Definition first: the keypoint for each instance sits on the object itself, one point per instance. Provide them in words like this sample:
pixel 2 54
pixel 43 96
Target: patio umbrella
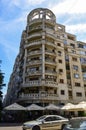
pixel 14 106
pixel 52 107
pixel 81 106
pixel 78 107
pixel 34 107
pixel 68 107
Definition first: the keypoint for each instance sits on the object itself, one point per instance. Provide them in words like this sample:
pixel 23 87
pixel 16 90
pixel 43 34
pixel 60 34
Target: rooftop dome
pixel 41 13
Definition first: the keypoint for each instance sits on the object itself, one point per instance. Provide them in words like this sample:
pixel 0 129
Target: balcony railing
pixel 49 61
pixel 35 27
pixel 38 96
pixel 34 72
pixel 34 35
pixel 51 72
pixel 50 53
pixel 35 21
pixel 51 43
pixel 40 83
pixel 34 52
pixel 32 43
pixel 34 62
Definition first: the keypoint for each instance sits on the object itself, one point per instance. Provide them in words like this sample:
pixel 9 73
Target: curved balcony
pixel 33 73
pixel 49 30
pixel 39 83
pixel 34 42
pixel 49 52
pixel 34 53
pixel 34 35
pixel 34 62
pixel 51 35
pixel 50 72
pixel 51 84
pixel 49 22
pixel 35 21
pixel 50 43
pixel 37 96
pixel 38 27
pixel 51 62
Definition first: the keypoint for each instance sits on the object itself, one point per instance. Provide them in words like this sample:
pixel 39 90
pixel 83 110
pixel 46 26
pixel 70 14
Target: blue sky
pixel 13 19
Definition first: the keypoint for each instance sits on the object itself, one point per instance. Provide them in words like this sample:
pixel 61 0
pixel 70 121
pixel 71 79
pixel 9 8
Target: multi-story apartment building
pixel 50 66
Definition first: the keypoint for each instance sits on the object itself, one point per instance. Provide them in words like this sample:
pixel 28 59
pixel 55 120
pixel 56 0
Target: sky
pixel 13 20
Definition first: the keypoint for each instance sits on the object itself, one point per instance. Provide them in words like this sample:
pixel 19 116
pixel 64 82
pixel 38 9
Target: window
pixel 69 82
pixel 66 49
pixel 84 46
pixel 77 84
pixel 81 46
pixel 58 44
pixel 76 75
pixel 34 69
pixel 83 60
pixel 78 94
pixel 31 79
pixel 72 45
pixel 70 37
pixel 60 70
pixel 35 58
pixel 68 76
pixel 83 69
pixel 84 85
pixel 73 51
pixel 62 92
pixel 82 52
pixel 61 81
pixel 70 93
pixel 56 118
pixel 60 61
pixel 67 58
pixel 59 53
pixel 49 119
pixel 84 76
pixel 75 67
pixel 67 67
pixel 74 59
pixel 65 41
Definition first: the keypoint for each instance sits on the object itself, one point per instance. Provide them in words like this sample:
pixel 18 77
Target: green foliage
pixel 81 113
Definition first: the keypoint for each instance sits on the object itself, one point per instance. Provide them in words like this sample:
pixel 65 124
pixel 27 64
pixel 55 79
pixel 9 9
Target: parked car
pixel 76 125
pixel 46 122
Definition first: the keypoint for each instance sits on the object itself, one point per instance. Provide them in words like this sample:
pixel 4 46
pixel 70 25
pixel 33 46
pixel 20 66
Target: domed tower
pixel 40 75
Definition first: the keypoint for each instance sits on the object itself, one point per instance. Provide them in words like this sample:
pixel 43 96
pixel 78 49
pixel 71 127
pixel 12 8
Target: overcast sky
pixel 13 19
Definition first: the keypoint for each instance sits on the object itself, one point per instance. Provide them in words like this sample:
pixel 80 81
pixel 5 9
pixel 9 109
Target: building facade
pixel 50 66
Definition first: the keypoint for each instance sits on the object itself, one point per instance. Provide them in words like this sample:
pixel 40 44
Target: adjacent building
pixel 50 66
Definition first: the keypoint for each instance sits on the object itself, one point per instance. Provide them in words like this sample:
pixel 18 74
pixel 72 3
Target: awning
pixel 14 106
pixel 34 107
pixel 52 107
pixel 68 107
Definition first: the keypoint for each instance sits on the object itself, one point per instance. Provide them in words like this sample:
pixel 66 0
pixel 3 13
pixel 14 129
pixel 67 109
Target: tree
pixel 1 86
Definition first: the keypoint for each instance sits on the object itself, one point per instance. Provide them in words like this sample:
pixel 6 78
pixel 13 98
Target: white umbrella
pixel 78 107
pixel 81 106
pixel 68 107
pixel 52 107
pixel 14 106
pixel 34 107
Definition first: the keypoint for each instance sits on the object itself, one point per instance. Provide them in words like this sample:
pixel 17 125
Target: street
pixel 10 127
